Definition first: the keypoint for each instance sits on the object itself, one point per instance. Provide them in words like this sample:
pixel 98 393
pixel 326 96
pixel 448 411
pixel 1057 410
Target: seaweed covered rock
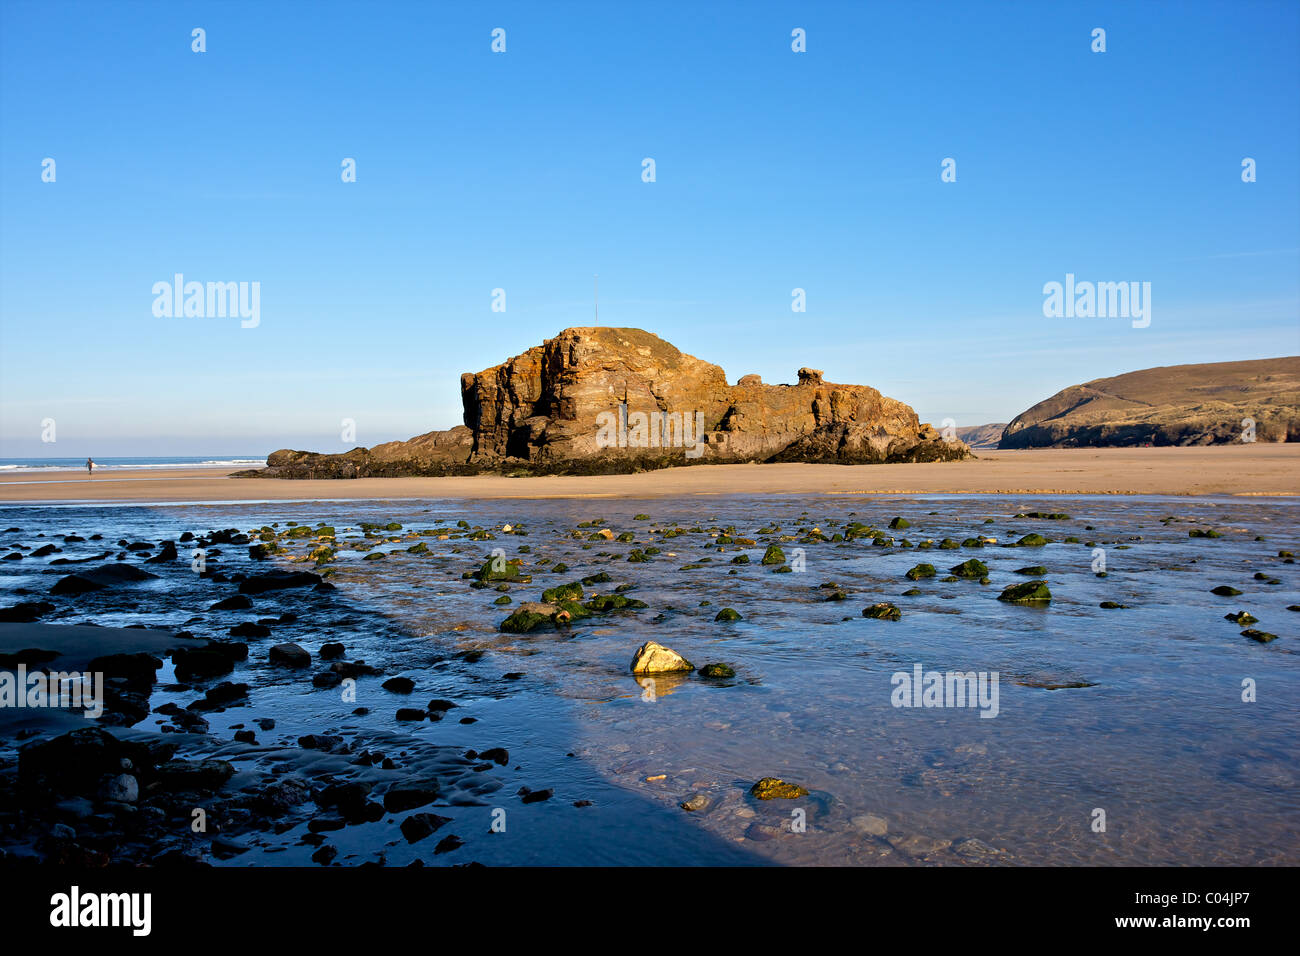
pixel 883 611
pixel 972 568
pixel 1030 592
pixel 774 788
pixel 532 616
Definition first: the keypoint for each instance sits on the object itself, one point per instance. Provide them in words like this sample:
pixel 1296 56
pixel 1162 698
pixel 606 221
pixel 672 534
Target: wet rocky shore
pixel 529 682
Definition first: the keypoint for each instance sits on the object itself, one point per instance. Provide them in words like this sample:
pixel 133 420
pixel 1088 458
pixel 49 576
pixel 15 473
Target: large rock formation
pixel 605 400
pixel 1174 405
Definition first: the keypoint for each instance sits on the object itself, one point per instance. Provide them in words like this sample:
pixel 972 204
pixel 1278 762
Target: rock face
pixel 606 400
pixel 1176 405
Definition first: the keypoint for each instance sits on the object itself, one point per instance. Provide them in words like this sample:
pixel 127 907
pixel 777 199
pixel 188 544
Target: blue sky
pixel 479 170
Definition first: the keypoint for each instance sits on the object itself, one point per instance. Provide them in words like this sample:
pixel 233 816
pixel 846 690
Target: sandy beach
pixel 1257 469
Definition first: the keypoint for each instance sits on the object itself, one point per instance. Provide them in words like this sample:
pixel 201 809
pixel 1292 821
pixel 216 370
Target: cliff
pixel 606 400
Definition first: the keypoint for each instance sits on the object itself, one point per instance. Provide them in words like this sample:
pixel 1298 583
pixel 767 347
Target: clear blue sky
pixel 522 170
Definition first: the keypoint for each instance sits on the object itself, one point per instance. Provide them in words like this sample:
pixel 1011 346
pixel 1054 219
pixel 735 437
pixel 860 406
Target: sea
pixel 121 464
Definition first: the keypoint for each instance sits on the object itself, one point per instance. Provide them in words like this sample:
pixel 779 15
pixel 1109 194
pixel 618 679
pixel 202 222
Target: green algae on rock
pixel 717 671
pixel 971 568
pixel 920 571
pixel 774 788
pixel 883 611
pixel 563 592
pixel 1030 592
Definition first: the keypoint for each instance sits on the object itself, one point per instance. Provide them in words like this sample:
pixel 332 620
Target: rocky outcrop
pixel 1174 405
pixel 607 400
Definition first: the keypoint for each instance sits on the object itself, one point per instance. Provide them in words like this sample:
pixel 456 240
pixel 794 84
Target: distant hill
pixel 981 436
pixel 1172 405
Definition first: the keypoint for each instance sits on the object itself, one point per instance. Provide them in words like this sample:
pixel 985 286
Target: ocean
pixel 143 462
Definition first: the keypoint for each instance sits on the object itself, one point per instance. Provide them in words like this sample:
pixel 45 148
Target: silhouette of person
pixel 90 467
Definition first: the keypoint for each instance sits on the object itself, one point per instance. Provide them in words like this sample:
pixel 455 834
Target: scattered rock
pixel 420 825
pixel 883 611
pixel 289 655
pixel 654 658
pixel 717 671
pixel 871 824
pixel 399 685
pixel 1031 592
pixel 774 788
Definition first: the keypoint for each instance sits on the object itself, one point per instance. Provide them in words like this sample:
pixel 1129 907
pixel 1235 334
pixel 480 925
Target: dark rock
pixel 199 775
pixel 402 797
pixel 289 655
pixel 277 581
pixel 420 825
pixel 249 629
pixel 448 843
pixel 108 576
pixel 25 612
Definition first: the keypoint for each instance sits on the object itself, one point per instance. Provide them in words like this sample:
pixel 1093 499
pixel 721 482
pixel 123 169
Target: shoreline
pixel 1262 470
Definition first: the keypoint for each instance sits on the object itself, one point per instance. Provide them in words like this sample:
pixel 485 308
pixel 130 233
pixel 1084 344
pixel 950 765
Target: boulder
pixel 290 655
pixel 653 658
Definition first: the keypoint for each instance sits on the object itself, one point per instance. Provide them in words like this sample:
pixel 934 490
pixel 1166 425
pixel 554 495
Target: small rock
pixel 290 655
pixel 774 788
pixel 871 824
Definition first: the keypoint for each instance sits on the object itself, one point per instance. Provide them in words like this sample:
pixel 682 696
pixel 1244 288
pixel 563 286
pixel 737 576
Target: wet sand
pixel 1257 469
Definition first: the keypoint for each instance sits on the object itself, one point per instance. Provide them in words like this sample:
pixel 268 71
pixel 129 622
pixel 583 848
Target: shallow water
pixel 1185 771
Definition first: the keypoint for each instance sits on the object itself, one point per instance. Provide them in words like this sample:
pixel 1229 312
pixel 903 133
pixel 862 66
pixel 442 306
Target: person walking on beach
pixel 90 467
